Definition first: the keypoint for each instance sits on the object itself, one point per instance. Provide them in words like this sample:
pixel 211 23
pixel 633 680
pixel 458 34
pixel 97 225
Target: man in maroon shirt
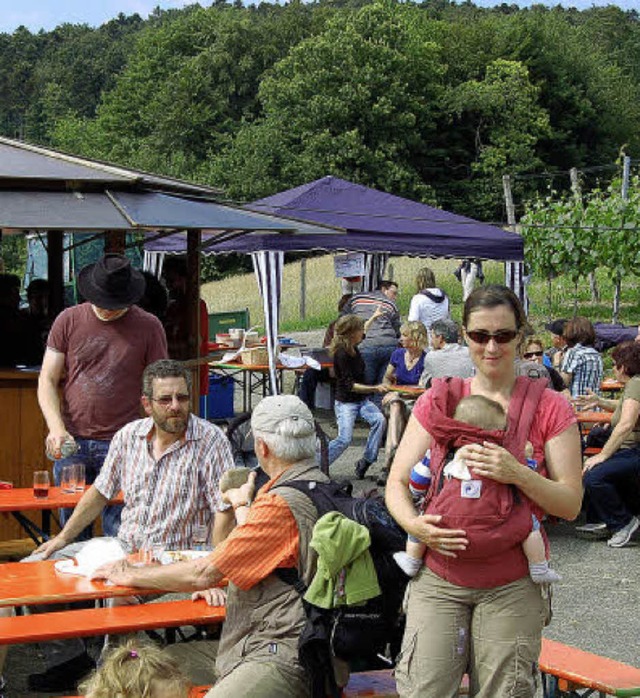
pixel 90 380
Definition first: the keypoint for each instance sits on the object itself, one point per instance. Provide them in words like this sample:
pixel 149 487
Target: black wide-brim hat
pixel 111 283
pixel 556 327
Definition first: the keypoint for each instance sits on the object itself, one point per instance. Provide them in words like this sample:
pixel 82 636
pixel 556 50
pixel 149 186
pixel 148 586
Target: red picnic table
pixel 17 500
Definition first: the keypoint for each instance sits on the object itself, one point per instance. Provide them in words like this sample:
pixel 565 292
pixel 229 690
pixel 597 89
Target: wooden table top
pixel 588 417
pixel 22 499
pixel 611 384
pixel 409 389
pixel 26 583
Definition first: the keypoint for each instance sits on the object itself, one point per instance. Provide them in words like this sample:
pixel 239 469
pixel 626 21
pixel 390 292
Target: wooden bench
pixel 568 671
pixel 60 625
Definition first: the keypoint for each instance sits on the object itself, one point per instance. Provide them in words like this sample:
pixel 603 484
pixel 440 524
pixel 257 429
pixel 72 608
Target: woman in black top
pixel 351 391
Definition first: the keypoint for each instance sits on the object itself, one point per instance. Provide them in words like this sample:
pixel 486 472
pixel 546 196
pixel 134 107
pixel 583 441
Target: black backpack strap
pixel 290 576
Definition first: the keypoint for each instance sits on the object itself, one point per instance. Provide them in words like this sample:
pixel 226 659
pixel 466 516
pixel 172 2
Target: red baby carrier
pixel 495 516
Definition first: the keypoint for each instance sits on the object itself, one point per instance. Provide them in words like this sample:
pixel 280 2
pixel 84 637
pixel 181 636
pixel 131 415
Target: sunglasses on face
pixel 482 337
pixel 532 354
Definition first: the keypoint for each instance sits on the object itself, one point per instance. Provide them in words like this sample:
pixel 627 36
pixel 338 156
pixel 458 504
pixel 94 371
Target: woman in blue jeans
pixel 351 391
pixel 612 477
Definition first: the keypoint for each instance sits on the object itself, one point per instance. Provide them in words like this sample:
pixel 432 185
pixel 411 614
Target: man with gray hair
pixel 447 356
pixel 258 653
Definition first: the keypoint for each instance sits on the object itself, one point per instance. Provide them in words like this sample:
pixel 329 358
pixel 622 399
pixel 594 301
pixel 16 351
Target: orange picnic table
pixel 407 389
pixel 17 500
pixel 590 417
pixel 30 583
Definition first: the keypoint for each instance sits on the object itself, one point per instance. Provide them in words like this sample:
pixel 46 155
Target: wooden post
pixel 577 194
pixel 390 271
pixel 194 239
pixel 54 272
pixel 114 241
pixel 617 291
pixel 303 289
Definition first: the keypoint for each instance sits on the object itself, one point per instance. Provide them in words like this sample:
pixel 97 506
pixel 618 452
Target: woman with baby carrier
pixel 473 606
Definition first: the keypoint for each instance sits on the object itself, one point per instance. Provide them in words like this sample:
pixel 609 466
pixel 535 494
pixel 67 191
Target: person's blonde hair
pixel 425 279
pixel 136 670
pixel 344 328
pixel 416 331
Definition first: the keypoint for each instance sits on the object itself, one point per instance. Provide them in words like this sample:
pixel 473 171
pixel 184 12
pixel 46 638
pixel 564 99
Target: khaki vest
pixel 264 623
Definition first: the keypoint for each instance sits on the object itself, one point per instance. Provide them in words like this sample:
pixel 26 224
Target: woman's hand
pixel 494 462
pixel 592 462
pixel 441 540
pixel 586 402
pixel 381 388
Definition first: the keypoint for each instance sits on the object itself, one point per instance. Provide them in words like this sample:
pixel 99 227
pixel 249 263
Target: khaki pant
pixel 261 680
pixel 493 634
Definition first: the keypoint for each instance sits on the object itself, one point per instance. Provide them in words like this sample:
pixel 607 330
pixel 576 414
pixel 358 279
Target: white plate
pixel 168 557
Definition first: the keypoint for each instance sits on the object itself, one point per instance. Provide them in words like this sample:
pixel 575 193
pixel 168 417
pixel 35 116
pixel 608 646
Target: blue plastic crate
pixel 218 404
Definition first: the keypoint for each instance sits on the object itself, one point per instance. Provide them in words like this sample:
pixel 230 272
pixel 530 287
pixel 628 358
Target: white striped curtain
pixel 517 281
pixel 268 269
pixel 375 264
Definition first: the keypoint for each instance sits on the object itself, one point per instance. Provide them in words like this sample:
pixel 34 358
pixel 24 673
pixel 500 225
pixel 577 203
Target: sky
pixel 47 14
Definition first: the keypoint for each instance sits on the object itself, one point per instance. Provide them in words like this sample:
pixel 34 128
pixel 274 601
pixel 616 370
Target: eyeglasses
pixel 167 400
pixel 482 337
pixel 532 354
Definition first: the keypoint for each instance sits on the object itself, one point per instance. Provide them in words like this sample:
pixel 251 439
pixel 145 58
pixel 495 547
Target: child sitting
pixel 486 414
pixel 137 670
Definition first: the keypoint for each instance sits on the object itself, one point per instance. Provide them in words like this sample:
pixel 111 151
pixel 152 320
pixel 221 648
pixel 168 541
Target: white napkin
pixel 290 361
pixel 95 553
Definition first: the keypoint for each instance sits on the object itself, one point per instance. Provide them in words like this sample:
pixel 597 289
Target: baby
pixel 485 414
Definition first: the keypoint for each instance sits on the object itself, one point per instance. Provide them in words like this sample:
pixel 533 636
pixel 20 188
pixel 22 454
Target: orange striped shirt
pixel 267 540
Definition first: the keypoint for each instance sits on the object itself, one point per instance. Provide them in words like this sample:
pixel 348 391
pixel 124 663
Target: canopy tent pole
pixel 516 280
pixel 268 269
pixel 54 272
pixel 194 238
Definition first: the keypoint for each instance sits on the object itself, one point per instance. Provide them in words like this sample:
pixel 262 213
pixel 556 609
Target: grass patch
pixel 323 293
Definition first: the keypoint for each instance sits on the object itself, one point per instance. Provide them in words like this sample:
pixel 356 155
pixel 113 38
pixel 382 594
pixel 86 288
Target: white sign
pixel 347 265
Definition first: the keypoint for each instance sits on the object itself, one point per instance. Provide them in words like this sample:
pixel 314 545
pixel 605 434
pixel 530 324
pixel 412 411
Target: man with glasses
pixel 447 356
pixel 168 467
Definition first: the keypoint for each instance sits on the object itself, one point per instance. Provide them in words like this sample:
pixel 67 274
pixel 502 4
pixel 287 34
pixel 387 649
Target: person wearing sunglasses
pixel 531 364
pixel 469 611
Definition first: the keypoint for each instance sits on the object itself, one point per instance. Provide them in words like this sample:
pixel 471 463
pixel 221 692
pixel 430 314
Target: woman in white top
pixel 430 302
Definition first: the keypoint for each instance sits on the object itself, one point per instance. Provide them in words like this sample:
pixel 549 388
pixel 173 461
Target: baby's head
pixel 479 411
pixel 137 670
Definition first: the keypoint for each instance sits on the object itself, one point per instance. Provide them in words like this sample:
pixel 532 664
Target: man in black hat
pixel 89 385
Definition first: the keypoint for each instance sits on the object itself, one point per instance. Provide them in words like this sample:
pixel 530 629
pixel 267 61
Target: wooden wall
pixel 22 434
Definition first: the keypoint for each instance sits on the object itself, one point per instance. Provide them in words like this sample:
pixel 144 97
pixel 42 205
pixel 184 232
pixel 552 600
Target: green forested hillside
pixel 431 100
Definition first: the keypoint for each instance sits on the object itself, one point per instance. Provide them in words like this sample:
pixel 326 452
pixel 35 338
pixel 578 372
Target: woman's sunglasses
pixel 532 354
pixel 482 337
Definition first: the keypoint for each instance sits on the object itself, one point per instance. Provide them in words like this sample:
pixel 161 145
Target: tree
pixel 355 101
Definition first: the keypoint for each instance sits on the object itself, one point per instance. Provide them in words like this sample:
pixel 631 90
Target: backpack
pixel 359 635
pixel 496 517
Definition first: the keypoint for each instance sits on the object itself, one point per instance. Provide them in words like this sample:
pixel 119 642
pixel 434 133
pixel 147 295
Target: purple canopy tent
pixel 365 220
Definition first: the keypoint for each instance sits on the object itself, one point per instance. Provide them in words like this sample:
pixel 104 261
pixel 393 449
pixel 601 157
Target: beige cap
pixel 271 411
